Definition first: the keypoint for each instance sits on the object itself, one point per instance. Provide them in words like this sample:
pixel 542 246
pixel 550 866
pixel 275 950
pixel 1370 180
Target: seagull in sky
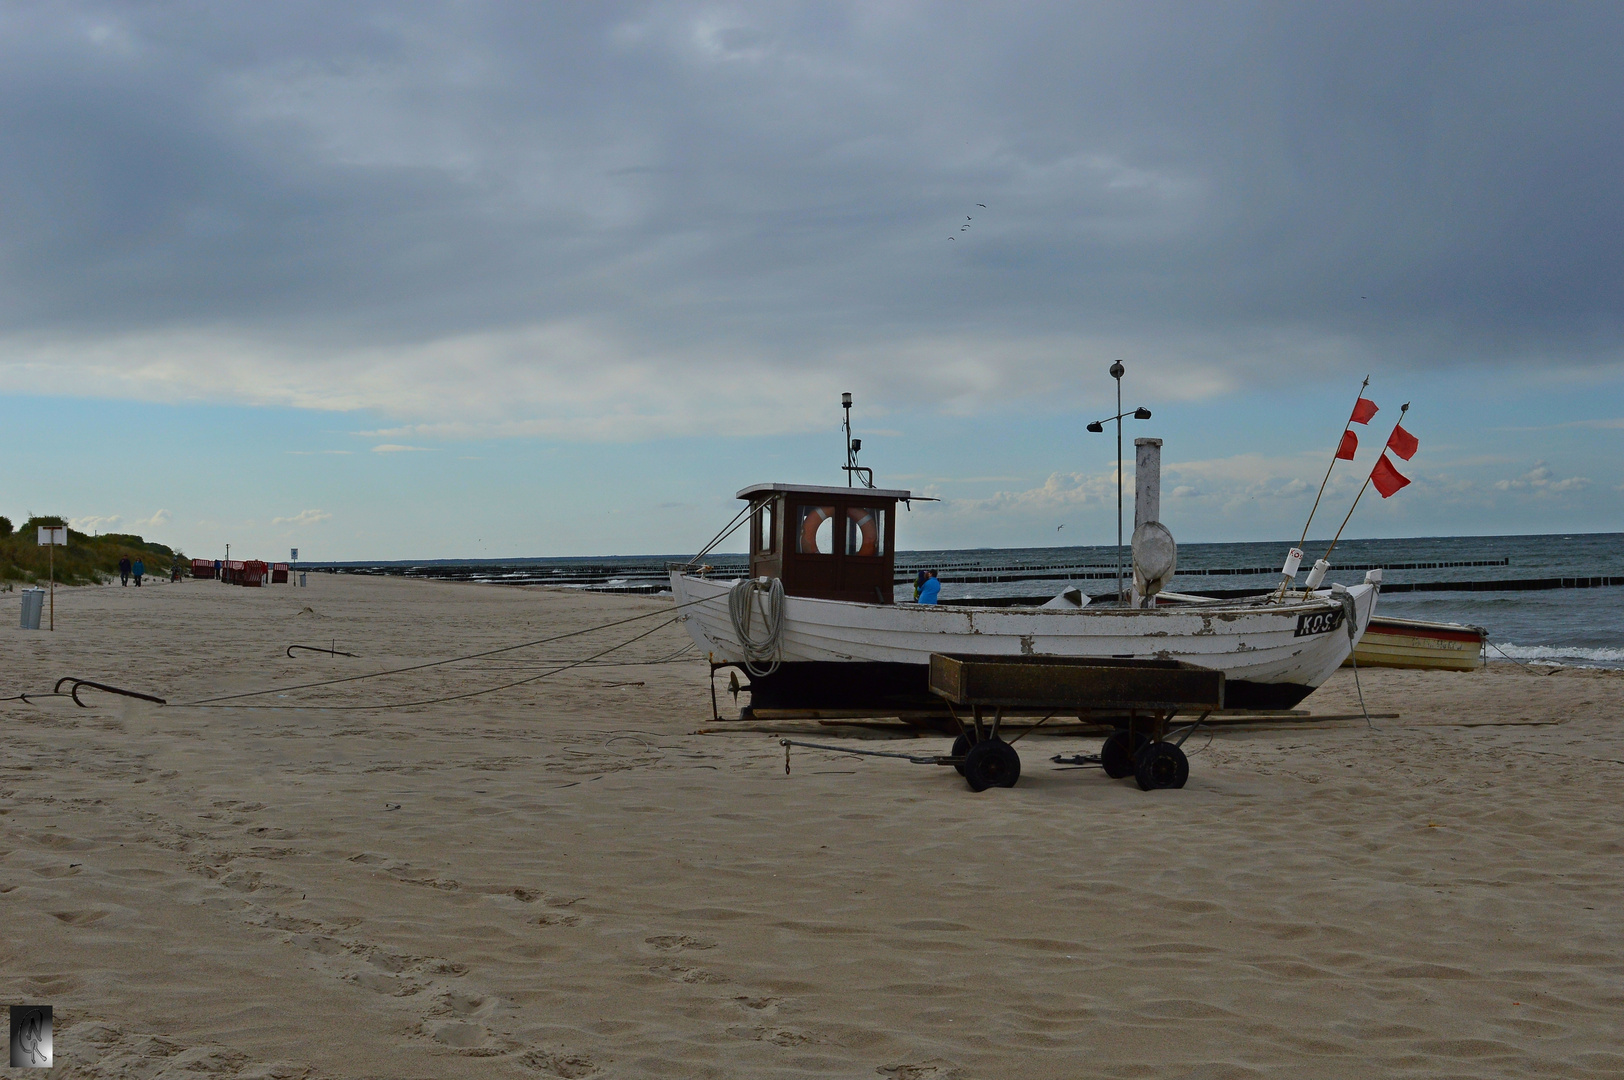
pixel 1062 525
pixel 982 205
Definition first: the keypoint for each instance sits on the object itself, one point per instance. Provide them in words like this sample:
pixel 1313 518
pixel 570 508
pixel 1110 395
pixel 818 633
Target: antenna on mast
pixel 852 447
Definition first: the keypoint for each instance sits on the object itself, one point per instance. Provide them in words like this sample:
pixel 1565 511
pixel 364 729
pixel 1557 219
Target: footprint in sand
pixel 123 1053
pixel 392 985
pixel 62 843
pixel 465 1005
pixel 58 871
pixel 935 1069
pixel 550 919
pixel 670 942
pixel 560 1063
pixel 86 917
pixel 679 973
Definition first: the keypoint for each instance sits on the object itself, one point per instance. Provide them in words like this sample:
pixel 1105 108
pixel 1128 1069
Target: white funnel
pixel 1155 555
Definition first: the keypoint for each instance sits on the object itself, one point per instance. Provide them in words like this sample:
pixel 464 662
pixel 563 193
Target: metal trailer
pixel 1139 698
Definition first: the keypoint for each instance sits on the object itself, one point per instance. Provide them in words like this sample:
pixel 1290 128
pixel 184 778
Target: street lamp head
pixel 1117 370
pixel 845 400
pixel 1141 413
pixel 1096 427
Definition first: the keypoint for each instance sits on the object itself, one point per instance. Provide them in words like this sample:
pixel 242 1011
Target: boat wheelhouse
pixel 829 543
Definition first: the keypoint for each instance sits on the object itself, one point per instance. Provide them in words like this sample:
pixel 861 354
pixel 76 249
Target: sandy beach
pixel 564 878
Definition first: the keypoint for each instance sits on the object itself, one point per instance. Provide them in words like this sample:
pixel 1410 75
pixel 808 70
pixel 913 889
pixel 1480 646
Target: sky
pixel 398 281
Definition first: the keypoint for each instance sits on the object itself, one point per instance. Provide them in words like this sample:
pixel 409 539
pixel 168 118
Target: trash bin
pixel 33 606
pixel 303 581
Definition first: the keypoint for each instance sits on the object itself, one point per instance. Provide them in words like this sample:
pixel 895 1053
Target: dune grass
pixel 85 561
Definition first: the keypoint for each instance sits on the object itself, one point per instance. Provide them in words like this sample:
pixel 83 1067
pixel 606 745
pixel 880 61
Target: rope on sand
pixel 225 704
pixel 456 659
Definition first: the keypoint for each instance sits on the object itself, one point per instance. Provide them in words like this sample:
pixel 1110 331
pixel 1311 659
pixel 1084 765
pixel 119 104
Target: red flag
pixel 1349 447
pixel 1386 478
pixel 1402 443
pixel 1363 410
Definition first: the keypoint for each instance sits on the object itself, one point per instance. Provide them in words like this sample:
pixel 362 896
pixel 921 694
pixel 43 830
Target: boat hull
pixel 839 654
pixel 1411 643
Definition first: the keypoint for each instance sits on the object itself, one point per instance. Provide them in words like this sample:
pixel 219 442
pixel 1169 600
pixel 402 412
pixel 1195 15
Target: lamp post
pixel 1141 413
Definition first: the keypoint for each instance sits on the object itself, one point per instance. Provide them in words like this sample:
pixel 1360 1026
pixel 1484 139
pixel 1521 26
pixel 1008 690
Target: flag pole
pixel 1327 556
pixel 1335 457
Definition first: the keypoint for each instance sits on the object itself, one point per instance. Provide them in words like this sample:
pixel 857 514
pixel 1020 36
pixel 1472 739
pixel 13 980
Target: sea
pixel 1478 580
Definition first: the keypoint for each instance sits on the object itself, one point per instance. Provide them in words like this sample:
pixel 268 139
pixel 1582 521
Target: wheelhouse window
pixel 815 530
pixel 865 531
pixel 764 523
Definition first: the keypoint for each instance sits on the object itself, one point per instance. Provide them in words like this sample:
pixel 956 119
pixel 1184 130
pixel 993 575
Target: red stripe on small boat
pixel 1415 632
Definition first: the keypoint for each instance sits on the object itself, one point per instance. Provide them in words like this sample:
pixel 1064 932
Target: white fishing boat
pixel 817 629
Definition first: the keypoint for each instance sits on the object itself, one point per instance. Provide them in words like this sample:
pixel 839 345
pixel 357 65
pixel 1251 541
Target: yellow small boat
pixel 1412 643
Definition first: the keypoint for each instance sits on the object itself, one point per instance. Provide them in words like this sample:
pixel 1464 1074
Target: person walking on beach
pixel 138 569
pixel 124 571
pixel 930 590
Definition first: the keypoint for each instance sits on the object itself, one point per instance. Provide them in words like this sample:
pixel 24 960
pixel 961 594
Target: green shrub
pixel 86 560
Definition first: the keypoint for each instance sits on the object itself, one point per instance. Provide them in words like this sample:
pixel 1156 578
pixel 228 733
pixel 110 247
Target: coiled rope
pixel 768 647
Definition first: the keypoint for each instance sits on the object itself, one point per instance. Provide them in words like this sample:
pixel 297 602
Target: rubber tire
pixel 961 747
pixel 992 763
pixel 1115 757
pixel 1160 765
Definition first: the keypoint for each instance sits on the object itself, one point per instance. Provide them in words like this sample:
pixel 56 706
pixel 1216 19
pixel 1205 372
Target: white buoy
pixel 1316 575
pixel 1294 559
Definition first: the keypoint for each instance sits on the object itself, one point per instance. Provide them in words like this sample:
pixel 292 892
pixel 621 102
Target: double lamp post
pixel 1141 413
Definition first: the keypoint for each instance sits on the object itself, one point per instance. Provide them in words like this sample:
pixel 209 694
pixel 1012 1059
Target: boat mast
pixel 852 447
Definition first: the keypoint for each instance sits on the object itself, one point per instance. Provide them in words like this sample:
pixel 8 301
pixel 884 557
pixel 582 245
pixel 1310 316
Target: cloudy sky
pixel 396 280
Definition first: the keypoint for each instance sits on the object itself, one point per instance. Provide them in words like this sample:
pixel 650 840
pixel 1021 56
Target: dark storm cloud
pixel 1432 183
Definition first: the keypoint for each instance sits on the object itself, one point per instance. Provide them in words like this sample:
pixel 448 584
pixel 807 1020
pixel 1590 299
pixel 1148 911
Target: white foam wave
pixel 1561 654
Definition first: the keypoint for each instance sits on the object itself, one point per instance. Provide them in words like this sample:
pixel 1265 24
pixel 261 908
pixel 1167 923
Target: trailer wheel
pixel 1116 757
pixel 961 747
pixel 992 763
pixel 1161 765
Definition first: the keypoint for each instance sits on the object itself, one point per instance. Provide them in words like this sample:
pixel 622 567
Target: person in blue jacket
pixel 930 590
pixel 138 571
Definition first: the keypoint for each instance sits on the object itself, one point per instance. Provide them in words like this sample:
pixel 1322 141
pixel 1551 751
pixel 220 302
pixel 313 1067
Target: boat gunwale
pixel 1262 605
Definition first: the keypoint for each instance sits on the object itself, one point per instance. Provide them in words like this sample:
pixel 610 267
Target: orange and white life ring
pixel 865 522
pixel 815 516
pixel 864 519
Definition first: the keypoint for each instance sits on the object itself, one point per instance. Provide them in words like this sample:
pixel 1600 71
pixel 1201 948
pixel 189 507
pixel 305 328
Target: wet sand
pixel 562 879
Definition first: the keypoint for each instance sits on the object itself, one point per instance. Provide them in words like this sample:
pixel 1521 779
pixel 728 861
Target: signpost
pixel 295 554
pixel 51 537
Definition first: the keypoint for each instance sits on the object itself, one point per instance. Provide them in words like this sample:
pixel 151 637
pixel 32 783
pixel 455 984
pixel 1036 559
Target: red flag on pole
pixel 1363 410
pixel 1386 478
pixel 1403 443
pixel 1349 447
